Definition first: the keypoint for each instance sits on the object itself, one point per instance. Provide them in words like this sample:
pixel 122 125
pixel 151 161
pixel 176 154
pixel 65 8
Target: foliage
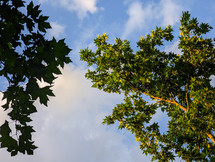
pixel 26 58
pixel 178 84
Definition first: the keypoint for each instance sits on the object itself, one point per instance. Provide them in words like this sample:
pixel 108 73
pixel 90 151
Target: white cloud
pixel 173 48
pixel 56 31
pixel 81 7
pixel 170 12
pixel 212 82
pixel 137 17
pixel 70 128
pixel 3 114
pixel 166 12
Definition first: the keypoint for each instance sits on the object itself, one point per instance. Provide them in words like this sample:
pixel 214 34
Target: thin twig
pixel 187 97
pixel 173 101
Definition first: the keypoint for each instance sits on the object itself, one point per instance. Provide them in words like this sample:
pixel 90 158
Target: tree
pixel 26 58
pixel 178 84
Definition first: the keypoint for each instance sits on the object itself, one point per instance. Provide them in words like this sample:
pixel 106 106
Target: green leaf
pixel 5 129
pixel 179 85
pixel 27 57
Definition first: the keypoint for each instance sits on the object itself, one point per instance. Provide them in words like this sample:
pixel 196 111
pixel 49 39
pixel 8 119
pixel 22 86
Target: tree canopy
pixel 177 83
pixel 26 58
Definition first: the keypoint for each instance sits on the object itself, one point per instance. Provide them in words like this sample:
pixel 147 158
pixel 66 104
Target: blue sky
pixel 70 128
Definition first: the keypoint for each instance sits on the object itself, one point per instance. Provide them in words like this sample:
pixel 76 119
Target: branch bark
pixel 169 101
pixel 211 137
pixel 209 134
pixel 173 101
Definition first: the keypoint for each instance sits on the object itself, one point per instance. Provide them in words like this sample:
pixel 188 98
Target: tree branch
pixel 173 101
pixel 211 137
pixel 169 101
pixel 187 97
pixel 183 108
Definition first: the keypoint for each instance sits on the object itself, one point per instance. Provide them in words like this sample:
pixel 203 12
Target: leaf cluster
pixel 178 84
pixel 26 58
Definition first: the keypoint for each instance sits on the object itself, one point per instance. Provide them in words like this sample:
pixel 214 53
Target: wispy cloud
pixel 56 31
pixel 166 12
pixel 137 17
pixel 170 12
pixel 3 114
pixel 212 82
pixel 71 130
pixel 173 48
pixel 81 7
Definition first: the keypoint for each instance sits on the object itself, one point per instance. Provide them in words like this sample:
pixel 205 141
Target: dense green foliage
pixel 26 58
pixel 178 84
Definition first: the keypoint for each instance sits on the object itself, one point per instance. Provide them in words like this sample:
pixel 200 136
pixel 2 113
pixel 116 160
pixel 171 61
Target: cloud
pixel 170 12
pixel 70 128
pixel 137 17
pixel 212 82
pixel 3 114
pixel 81 7
pixel 140 16
pixel 56 31
pixel 83 39
pixel 173 48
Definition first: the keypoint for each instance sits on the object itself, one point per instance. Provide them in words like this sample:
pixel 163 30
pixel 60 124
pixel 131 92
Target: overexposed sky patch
pixel 81 7
pixel 3 114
